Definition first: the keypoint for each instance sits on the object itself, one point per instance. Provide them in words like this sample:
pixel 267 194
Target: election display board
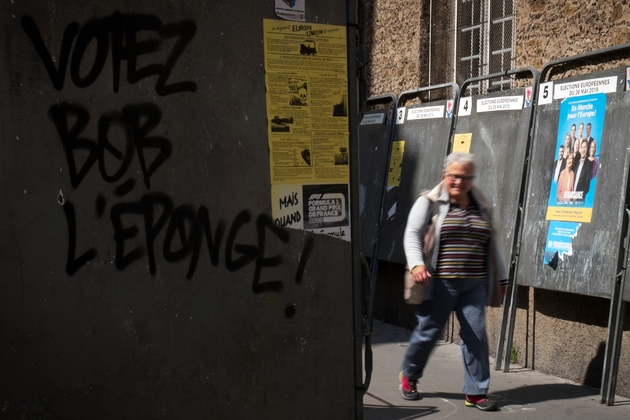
pixel 574 216
pixel 421 139
pixel 495 128
pixel 375 136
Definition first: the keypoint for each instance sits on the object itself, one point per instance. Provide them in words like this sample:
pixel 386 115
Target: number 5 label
pixel 545 93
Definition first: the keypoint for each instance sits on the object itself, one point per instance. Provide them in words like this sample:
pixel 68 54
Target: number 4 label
pixel 545 93
pixel 465 105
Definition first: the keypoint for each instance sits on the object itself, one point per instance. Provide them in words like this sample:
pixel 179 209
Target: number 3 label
pixel 400 115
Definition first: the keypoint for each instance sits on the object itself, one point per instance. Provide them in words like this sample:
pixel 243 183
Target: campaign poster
pixel 395 163
pixel 559 241
pixel 461 142
pixel 576 158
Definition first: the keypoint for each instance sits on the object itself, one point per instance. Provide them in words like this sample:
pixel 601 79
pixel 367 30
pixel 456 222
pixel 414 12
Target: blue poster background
pixel 588 109
pixel 559 240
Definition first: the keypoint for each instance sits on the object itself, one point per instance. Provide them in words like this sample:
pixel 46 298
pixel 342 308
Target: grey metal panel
pixel 596 248
pixel 105 330
pixel 426 144
pixel 499 142
pixel 374 143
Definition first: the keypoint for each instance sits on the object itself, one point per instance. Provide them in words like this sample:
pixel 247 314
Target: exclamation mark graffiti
pixel 289 311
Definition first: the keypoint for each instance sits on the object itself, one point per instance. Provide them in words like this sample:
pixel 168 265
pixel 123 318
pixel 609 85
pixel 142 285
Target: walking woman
pixel 464 273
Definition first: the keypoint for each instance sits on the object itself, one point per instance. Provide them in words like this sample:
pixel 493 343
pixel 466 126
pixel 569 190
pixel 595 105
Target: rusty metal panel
pixel 142 274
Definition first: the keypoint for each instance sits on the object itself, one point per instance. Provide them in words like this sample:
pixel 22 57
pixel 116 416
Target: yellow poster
pixel 461 142
pixel 307 102
pixel 395 163
pixel 570 214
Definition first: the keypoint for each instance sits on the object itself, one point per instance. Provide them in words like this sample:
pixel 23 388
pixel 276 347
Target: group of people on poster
pixel 576 165
pixel 574 172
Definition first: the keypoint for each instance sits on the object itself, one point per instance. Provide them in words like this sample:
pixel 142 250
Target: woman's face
pixel 458 179
pixel 569 162
pixel 592 149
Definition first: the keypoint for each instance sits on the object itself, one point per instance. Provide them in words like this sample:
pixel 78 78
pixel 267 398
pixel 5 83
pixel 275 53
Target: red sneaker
pixel 481 402
pixel 408 388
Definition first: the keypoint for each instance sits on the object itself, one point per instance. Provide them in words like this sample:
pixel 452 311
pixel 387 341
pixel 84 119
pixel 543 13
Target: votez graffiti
pixel 182 229
pixel 122 30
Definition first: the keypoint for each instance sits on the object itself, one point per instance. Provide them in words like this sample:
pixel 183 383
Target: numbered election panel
pixel 421 140
pixel 495 128
pixel 375 139
pixel 578 186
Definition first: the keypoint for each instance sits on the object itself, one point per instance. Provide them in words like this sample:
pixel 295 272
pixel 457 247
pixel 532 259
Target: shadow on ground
pixel 375 412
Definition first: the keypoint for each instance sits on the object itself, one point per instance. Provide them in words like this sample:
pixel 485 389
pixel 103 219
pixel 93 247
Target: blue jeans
pixel 467 297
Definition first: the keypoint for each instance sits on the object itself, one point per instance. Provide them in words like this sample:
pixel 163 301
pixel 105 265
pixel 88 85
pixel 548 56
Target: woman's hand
pixel 421 274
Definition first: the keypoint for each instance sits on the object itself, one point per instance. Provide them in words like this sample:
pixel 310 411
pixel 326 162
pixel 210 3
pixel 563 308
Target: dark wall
pixel 142 276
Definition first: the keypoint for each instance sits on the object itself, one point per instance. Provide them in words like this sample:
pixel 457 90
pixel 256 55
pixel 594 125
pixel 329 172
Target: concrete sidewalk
pixel 522 393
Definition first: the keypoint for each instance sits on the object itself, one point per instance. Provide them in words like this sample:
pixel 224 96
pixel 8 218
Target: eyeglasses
pixel 455 177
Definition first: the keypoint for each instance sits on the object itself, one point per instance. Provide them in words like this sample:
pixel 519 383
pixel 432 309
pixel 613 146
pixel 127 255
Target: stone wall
pixel 550 30
pixel 394 34
pixel 398 36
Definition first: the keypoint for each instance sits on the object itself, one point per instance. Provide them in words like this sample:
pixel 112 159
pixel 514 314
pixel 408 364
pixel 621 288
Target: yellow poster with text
pixel 306 84
pixel 395 163
pixel 461 142
pixel 569 214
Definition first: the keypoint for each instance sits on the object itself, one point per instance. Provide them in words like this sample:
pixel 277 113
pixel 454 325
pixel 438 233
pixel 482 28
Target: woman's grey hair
pixel 460 158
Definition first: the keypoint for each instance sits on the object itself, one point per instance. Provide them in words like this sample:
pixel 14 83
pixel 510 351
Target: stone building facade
pixel 412 44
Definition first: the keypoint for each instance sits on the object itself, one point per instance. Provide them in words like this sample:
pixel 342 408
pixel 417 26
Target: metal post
pixel 615 328
pixel 354 108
